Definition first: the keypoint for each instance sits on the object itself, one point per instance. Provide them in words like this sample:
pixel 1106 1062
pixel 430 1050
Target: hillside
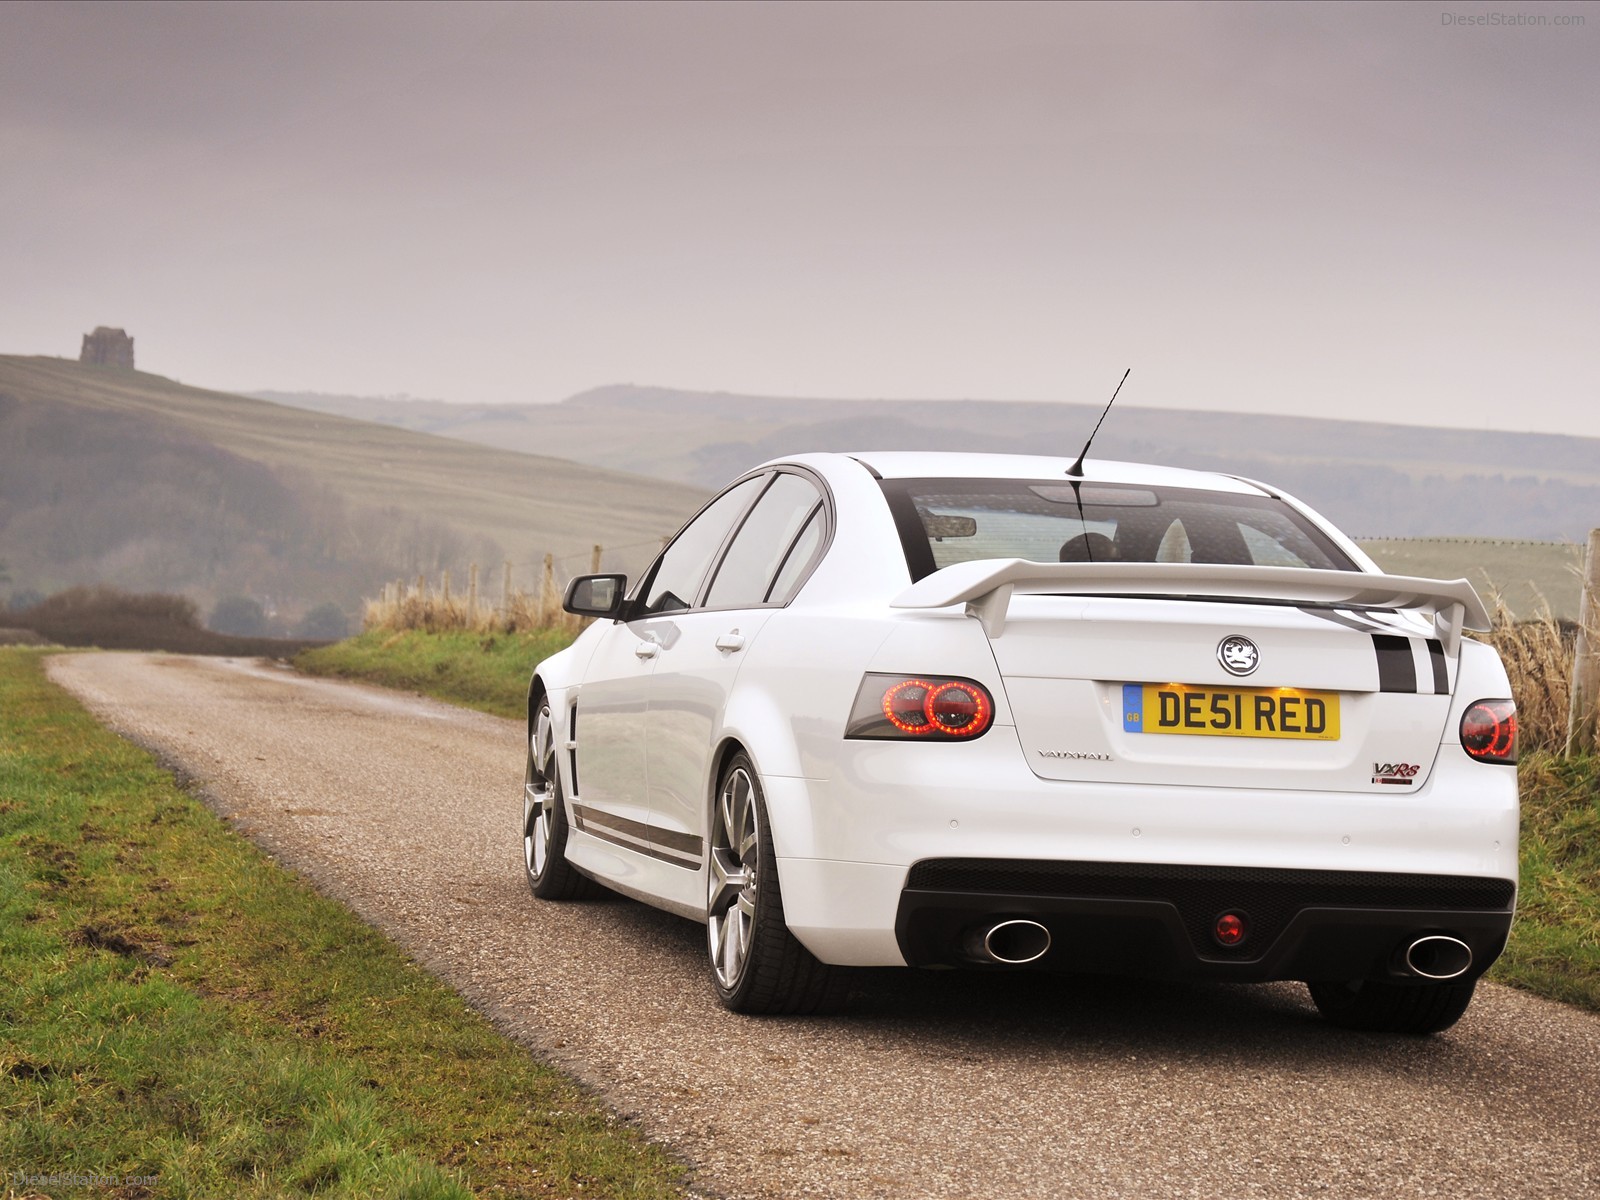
pixel 122 477
pixel 1375 480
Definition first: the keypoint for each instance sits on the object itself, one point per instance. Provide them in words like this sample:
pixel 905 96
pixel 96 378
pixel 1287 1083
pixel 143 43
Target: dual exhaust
pixel 1017 942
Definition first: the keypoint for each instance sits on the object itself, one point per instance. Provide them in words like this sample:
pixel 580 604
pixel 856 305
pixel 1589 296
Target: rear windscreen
pixel 945 521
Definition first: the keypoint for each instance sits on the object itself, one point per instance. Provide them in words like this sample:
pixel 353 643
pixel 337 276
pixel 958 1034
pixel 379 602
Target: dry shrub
pixel 419 607
pixel 1538 655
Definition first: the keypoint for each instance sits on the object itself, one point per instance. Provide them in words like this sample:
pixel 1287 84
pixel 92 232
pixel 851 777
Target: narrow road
pixel 934 1084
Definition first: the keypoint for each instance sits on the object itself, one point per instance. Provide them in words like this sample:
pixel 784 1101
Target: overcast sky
pixel 1369 211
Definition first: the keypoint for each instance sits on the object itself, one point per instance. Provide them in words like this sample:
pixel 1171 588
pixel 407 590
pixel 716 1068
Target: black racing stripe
pixel 1441 674
pixel 1397 670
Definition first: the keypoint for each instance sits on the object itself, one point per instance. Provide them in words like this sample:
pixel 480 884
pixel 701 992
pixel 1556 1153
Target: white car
pixel 973 710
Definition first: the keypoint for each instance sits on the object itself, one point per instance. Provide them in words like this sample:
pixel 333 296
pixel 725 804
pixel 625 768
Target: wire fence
pixel 490 602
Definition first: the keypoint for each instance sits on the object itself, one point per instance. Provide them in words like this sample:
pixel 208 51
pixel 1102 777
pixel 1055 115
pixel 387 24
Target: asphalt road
pixel 934 1084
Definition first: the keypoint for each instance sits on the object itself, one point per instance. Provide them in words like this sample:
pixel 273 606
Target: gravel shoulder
pixel 935 1084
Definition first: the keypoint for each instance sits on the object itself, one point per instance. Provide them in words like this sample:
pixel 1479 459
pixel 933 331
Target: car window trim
pixel 794 542
pixel 703 592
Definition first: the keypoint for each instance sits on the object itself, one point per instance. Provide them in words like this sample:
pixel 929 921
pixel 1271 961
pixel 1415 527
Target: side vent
pixel 572 747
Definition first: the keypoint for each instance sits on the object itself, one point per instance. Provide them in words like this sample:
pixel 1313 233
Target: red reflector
pixel 1489 731
pixel 1230 929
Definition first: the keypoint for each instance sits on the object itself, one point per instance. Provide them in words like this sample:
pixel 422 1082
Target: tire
pixel 1374 1006
pixel 544 821
pixel 757 965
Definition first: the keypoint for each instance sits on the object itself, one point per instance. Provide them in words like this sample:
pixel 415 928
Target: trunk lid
pixel 1141 676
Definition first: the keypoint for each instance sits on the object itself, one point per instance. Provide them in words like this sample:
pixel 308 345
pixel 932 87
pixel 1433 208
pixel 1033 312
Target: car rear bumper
pixel 1142 919
pixel 848 848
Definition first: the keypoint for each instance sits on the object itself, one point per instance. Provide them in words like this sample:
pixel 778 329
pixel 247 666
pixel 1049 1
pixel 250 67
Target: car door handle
pixel 733 640
pixel 646 649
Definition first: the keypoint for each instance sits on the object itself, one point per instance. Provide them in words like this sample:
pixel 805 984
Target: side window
pixel 683 566
pixel 801 556
pixel 758 549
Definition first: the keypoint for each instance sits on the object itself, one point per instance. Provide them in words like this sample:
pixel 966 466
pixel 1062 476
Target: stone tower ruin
pixel 107 347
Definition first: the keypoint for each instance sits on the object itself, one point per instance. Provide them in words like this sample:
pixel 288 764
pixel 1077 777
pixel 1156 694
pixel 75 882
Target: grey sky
pixel 1341 210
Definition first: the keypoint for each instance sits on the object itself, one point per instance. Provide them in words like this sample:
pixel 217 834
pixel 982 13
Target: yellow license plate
pixel 1230 712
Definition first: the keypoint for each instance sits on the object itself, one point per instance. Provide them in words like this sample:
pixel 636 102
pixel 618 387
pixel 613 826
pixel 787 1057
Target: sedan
pixel 1004 712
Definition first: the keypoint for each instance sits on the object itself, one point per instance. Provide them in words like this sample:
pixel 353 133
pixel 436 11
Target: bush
pixel 114 620
pixel 325 622
pixel 240 616
pixel 24 598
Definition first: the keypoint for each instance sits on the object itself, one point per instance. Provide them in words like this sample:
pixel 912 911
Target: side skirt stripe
pixel 679 849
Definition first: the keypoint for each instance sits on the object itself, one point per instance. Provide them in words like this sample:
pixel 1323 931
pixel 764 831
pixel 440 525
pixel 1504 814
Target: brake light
pixel 928 708
pixel 1489 731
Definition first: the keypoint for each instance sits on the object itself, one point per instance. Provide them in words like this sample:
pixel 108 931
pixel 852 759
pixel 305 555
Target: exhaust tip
pixel 1016 942
pixel 1439 957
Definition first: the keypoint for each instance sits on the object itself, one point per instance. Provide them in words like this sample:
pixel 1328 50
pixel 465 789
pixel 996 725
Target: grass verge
pixel 1555 944
pixel 486 671
pixel 181 1017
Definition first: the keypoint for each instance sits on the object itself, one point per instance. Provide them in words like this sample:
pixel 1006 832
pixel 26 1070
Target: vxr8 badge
pixel 1403 774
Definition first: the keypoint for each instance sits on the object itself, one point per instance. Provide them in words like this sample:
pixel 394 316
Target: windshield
pixel 945 521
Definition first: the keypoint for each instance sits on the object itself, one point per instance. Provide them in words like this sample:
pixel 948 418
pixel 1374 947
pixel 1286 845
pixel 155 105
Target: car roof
pixel 918 464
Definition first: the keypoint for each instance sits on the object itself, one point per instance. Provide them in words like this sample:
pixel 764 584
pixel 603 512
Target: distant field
pixel 521 500
pixel 1369 477
pixel 1526 575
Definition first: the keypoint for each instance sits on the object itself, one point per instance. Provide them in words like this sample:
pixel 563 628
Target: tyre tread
pixel 1379 1007
pixel 782 978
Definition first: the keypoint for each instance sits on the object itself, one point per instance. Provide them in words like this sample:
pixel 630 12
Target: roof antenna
pixel 1077 467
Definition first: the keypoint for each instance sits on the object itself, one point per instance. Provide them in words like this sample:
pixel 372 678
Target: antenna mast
pixel 1077 467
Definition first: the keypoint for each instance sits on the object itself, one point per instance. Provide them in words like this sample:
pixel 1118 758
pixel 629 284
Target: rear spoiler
pixel 987 585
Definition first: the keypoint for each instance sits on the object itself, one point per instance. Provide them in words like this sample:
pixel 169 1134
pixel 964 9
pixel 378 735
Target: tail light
pixel 1489 731
pixel 929 708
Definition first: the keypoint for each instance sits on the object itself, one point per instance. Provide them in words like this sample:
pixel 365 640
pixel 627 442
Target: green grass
pixel 173 1004
pixel 486 671
pixel 1555 944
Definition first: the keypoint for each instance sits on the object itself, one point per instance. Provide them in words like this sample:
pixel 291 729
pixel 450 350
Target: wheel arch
pixel 537 691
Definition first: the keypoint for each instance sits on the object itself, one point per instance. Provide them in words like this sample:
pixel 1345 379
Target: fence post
pixel 547 590
pixel 444 586
pixel 594 562
pixel 472 595
pixel 505 590
pixel 1584 713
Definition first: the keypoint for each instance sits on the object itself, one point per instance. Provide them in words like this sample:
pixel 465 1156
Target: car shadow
pixel 1023 1013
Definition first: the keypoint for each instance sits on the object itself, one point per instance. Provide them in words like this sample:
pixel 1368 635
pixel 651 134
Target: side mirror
pixel 596 595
